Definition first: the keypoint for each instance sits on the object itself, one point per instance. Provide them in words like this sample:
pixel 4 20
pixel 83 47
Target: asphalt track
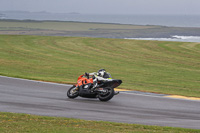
pixel 49 99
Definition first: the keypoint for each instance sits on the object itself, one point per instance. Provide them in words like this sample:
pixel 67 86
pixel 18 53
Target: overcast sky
pixel 185 7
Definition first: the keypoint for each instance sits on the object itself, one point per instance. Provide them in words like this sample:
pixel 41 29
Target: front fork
pixel 77 88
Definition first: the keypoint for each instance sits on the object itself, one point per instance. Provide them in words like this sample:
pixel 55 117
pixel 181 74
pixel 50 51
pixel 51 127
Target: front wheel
pixel 106 96
pixel 73 92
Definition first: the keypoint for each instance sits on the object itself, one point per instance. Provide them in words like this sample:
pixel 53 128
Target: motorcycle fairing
pixel 111 83
pixel 84 91
pixel 82 80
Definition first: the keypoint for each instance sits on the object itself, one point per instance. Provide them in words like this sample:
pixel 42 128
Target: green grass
pixel 153 66
pixel 66 26
pixel 18 123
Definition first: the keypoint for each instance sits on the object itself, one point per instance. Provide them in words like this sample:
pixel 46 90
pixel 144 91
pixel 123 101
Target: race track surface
pixel 49 99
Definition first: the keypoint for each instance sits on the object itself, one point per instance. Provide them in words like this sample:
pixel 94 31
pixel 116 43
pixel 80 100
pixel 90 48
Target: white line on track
pixel 141 94
pixel 37 81
pixel 166 97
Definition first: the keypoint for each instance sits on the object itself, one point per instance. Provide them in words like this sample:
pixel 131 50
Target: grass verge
pixel 154 66
pixel 11 122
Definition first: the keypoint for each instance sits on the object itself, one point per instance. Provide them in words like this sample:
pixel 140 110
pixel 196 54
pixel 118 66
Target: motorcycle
pixel 104 90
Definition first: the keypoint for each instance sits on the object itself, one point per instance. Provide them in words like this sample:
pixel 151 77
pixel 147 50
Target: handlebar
pixel 87 75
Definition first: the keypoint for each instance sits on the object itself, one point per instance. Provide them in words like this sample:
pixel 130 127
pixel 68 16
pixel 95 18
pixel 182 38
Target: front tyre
pixel 73 92
pixel 106 96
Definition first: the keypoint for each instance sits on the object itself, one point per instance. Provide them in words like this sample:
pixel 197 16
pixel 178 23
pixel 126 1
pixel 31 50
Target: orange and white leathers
pixel 96 79
pixel 99 78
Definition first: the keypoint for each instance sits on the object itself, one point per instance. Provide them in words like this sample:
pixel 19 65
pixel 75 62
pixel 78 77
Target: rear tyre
pixel 73 92
pixel 106 96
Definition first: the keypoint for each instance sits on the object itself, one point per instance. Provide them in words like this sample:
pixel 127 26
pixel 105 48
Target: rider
pixel 101 75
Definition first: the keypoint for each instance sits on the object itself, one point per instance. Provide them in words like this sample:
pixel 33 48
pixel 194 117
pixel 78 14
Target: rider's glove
pixel 87 75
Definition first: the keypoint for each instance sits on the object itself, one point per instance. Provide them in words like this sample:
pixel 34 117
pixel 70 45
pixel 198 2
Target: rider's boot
pixel 94 85
pixel 116 93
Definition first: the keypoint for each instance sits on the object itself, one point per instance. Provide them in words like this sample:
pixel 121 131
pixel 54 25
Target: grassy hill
pixel 154 66
pixel 86 29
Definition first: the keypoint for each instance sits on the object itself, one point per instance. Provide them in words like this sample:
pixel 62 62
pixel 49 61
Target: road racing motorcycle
pixel 104 90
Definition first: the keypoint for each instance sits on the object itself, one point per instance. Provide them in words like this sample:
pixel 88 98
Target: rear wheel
pixel 106 96
pixel 73 92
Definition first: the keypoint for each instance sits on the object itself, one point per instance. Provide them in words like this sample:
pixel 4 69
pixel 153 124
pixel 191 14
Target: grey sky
pixel 185 7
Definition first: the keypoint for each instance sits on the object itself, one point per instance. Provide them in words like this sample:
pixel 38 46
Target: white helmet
pixel 101 72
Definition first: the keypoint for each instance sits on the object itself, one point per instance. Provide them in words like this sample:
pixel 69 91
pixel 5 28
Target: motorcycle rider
pixel 101 75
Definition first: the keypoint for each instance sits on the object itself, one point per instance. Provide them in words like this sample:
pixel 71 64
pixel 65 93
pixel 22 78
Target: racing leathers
pixel 97 78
